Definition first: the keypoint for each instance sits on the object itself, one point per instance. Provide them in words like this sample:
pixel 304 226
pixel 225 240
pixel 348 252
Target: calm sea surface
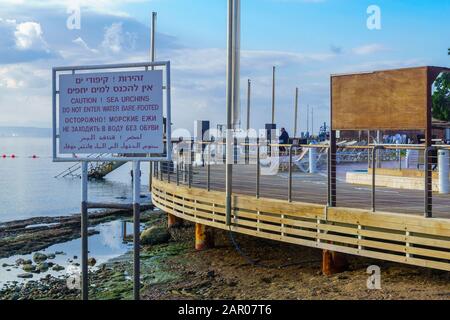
pixel 28 187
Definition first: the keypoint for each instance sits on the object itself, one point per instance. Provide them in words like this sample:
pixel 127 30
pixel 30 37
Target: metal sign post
pixel 84 231
pixel 136 227
pixel 106 117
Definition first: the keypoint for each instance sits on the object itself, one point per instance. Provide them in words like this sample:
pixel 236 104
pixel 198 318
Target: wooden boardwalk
pixel 397 231
pixel 312 188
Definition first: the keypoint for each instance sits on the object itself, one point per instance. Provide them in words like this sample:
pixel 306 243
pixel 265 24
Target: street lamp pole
pixel 233 54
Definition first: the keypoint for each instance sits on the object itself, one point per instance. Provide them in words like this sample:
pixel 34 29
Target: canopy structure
pixel 383 100
pixel 399 99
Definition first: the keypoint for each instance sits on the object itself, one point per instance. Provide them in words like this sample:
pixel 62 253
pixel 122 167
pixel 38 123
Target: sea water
pixel 28 189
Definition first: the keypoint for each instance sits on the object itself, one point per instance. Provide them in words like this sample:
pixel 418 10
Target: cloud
pixel 282 58
pixel 300 1
pixel 24 41
pixel 29 36
pixel 115 39
pixel 112 7
pixel 79 41
pixel 24 98
pixel 198 73
pixel 335 49
pixel 199 82
pixel 369 49
pixel 23 76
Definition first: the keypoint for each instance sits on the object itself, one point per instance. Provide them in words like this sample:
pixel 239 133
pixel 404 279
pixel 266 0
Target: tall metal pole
pixel 312 120
pixel 273 94
pixel 152 57
pixel 247 140
pixel 84 231
pixel 153 48
pixel 232 90
pixel 249 85
pixel 136 227
pixel 236 64
pixel 307 118
pixel 296 112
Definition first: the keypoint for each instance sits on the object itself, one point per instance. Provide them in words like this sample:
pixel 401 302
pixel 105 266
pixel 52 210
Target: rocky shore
pixel 31 235
pixel 172 269
pixel 110 280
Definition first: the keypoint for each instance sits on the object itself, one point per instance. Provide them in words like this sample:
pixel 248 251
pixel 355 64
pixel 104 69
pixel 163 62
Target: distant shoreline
pixel 25 132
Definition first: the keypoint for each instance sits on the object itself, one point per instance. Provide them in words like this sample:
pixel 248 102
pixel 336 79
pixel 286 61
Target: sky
pixel 306 39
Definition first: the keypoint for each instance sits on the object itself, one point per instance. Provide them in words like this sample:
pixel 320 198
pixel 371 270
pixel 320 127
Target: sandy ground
pixel 285 272
pixel 172 269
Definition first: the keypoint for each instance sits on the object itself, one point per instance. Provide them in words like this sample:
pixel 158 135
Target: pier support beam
pixel 204 237
pixel 173 221
pixel 333 262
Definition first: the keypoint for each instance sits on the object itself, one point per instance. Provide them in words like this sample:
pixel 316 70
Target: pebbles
pixel 29 268
pixel 92 261
pixel 57 268
pixel 39 257
pixel 42 266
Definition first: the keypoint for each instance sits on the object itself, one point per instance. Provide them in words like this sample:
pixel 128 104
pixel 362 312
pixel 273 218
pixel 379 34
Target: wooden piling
pixel 333 262
pixel 204 237
pixel 173 221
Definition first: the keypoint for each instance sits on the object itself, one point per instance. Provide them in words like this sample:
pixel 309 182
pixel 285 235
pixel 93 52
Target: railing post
pixel 428 184
pixel 150 176
pixel 235 149
pixel 190 170
pixel 178 171
pixel 290 174
pixel 331 174
pixel 224 151
pixel 312 160
pixel 169 167
pixel 443 163
pixel 190 175
pixel 208 169
pixel 258 168
pixel 184 167
pixel 332 179
pixel 374 158
pixel 247 150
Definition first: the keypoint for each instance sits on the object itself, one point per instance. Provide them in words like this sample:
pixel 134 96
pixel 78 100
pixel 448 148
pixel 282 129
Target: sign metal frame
pixel 148 66
pixel 136 160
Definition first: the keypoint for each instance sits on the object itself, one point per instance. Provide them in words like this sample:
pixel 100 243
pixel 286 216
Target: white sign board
pixel 115 112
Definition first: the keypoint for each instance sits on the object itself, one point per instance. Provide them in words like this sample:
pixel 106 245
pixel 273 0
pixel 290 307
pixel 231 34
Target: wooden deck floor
pixel 312 188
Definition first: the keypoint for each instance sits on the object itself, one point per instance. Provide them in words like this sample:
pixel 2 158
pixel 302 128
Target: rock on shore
pixel 155 235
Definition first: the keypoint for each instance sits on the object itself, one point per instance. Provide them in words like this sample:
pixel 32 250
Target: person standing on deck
pixel 283 139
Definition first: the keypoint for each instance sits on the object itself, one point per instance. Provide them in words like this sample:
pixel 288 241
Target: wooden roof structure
pixel 398 99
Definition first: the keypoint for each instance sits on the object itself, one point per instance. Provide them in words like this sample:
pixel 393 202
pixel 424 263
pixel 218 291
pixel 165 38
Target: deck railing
pixel 196 163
